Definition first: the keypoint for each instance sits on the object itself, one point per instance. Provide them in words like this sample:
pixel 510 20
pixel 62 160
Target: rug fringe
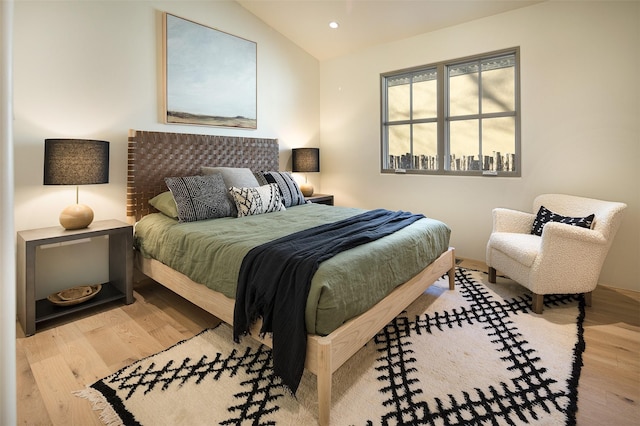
pixel 107 415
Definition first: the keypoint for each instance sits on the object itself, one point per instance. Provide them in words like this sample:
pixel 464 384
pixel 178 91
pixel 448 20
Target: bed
pixel 330 341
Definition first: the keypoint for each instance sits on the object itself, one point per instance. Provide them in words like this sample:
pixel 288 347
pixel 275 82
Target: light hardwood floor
pixel 68 354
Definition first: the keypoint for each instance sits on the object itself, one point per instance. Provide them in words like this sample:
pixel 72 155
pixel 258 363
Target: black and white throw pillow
pixel 259 200
pixel 200 197
pixel 545 215
pixel 289 189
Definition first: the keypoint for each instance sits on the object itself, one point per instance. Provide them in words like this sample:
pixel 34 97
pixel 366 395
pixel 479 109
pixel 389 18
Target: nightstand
pixel 31 312
pixel 321 199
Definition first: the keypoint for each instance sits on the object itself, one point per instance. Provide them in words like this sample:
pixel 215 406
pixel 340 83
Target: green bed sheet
pixel 210 252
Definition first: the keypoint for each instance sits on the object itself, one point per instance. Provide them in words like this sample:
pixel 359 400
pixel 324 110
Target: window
pixel 455 117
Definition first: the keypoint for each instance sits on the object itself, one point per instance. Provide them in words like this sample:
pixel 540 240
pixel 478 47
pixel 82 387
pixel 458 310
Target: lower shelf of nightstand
pixel 45 310
pixel 321 199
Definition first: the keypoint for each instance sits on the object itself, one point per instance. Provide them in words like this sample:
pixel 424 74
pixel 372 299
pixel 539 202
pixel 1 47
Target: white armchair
pixel 565 259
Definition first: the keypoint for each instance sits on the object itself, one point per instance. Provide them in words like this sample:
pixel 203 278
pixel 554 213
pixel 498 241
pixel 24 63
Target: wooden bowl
pixel 74 295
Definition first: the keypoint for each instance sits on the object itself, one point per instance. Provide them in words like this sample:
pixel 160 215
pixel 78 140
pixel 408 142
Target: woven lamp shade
pixel 305 160
pixel 76 162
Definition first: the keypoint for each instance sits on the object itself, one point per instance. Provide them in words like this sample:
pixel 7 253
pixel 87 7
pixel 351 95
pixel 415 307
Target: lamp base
pixel 307 189
pixel 76 216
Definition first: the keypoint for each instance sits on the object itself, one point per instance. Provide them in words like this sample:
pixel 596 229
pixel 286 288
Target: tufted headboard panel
pixel 155 155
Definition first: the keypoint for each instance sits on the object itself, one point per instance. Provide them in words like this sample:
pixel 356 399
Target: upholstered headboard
pixel 156 155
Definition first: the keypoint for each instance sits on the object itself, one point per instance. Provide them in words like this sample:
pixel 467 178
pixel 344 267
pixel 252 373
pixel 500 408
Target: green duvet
pixel 210 252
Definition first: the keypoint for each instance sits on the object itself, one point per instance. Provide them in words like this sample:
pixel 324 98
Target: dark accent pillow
pixel 545 215
pixel 289 189
pixel 200 197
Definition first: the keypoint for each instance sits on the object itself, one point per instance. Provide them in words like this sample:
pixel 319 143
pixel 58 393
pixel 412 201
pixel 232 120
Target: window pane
pixel 425 145
pixel 498 85
pixel 425 95
pixel 463 144
pixel 400 147
pixel 463 89
pixel 398 98
pixel 498 144
pixel 464 119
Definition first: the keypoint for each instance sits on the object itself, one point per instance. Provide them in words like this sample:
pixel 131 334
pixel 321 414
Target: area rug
pixel 475 355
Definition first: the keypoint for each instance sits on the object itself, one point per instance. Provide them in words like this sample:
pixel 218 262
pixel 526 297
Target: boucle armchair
pixel 564 259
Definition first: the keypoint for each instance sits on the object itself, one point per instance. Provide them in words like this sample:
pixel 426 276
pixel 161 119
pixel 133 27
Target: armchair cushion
pixel 545 215
pixel 523 248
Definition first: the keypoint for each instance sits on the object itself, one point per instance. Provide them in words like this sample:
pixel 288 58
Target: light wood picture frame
pixel 210 77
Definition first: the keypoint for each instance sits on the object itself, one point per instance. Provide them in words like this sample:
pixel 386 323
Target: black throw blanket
pixel 275 278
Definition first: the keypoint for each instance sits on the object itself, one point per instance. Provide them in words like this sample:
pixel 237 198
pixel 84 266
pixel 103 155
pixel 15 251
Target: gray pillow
pixel 233 176
pixel 200 197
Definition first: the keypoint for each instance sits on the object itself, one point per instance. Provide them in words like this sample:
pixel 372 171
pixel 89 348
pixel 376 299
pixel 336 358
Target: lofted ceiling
pixel 365 23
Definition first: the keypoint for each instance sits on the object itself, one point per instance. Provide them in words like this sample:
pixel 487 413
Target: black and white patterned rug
pixel 476 355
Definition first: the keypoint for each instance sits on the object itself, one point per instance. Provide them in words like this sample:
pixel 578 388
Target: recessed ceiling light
pixel 333 24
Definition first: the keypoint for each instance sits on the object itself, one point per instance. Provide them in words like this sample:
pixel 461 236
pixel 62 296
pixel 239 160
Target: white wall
pixel 91 68
pixel 8 375
pixel 580 122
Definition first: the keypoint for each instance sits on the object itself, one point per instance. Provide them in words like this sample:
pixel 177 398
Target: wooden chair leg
pixel 492 275
pixel 588 298
pixel 537 304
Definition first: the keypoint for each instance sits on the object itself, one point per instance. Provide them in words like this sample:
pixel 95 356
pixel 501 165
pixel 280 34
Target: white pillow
pixel 253 201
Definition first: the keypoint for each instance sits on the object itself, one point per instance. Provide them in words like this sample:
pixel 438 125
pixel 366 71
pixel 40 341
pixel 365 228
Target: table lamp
pixel 306 160
pixel 76 162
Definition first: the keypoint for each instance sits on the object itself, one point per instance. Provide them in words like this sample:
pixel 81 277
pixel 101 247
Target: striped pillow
pixel 289 189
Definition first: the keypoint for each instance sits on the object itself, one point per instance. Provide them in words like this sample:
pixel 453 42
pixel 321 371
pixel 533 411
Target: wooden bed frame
pixel 155 155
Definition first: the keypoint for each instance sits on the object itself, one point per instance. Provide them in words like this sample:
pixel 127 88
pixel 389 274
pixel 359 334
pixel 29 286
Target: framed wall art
pixel 209 76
